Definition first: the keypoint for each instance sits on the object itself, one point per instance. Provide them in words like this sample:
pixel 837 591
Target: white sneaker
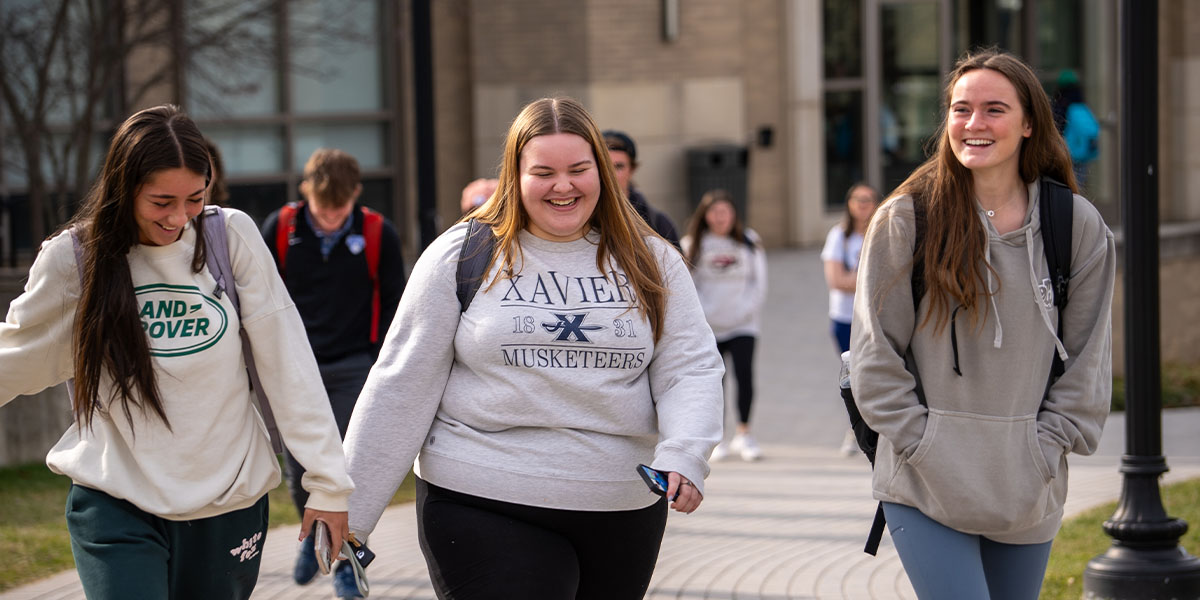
pixel 849 444
pixel 721 452
pixel 745 446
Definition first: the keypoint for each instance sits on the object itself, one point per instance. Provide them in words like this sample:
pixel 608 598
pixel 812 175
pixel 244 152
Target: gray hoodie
pixel 548 391
pixel 988 455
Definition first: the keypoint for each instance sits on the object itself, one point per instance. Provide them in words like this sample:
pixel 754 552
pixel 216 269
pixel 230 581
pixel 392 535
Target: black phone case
pixel 655 486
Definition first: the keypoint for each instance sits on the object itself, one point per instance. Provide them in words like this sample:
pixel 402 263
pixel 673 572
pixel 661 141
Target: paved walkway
pixel 791 526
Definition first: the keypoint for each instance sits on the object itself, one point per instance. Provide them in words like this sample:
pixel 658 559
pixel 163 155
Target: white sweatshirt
pixel 731 279
pixel 548 391
pixel 217 458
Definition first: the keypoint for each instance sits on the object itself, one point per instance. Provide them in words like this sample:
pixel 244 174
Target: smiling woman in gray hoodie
pixel 973 482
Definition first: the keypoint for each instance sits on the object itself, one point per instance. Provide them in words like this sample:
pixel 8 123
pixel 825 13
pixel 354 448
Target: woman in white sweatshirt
pixel 583 353
pixel 729 267
pixel 972 472
pixel 169 459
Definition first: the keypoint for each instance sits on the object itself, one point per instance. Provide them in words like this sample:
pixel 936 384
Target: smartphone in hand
pixel 655 480
pixel 322 546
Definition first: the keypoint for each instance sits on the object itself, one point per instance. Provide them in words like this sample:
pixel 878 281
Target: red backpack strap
pixel 285 228
pixel 373 236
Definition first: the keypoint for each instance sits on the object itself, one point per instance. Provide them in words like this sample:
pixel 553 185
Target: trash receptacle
pixel 717 166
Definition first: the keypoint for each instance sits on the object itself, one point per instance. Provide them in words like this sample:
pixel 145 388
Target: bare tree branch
pixel 65 63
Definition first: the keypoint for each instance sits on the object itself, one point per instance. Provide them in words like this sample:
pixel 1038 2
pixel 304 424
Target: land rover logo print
pixel 179 319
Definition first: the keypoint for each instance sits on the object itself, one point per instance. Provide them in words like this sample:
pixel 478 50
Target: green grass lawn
pixel 1082 538
pixel 33 528
pixel 1180 387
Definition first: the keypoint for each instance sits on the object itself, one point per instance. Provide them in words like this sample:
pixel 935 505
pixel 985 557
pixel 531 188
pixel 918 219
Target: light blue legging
pixel 945 564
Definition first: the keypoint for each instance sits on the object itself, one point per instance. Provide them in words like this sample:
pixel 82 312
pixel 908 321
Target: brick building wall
pixel 1179 109
pixel 764 46
pixel 720 80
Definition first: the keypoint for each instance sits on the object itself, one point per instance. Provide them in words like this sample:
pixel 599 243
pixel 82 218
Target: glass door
pixel 907 97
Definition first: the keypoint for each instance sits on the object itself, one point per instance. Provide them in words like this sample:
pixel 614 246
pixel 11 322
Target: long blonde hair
pixel 622 231
pixel 955 241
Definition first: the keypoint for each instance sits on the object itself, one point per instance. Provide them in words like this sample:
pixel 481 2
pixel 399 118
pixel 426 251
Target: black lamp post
pixel 1145 560
pixel 423 112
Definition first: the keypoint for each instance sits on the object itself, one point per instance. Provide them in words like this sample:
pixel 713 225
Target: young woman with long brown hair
pixel 169 460
pixel 729 268
pixel 973 480
pixel 583 354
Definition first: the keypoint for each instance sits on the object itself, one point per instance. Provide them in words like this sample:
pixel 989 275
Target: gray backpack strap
pixel 216 256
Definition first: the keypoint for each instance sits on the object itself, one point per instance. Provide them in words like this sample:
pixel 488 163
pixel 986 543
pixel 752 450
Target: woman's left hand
pixel 689 498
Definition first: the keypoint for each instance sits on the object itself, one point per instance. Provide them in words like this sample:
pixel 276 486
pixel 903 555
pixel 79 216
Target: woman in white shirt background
pixel 840 255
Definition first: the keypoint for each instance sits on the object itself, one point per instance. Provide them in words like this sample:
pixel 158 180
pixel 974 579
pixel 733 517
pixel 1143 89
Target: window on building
pixel 910 87
pixel 319 81
pixel 844 86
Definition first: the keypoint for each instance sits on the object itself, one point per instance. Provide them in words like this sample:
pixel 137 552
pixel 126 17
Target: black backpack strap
pixel 1056 211
pixel 477 248
pixel 876 534
pixel 918 268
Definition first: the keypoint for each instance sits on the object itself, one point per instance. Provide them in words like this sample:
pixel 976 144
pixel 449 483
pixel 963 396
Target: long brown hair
pixel 955 240
pixel 622 231
pixel 108 333
pixel 697 225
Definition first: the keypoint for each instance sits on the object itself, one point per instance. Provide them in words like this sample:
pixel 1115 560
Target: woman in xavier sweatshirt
pixel 583 354
pixel 973 480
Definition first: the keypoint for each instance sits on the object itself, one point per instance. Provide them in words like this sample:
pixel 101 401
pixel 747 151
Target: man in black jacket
pixel 342 266
pixel 624 158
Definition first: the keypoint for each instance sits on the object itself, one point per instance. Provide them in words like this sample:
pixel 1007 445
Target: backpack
pixel 1082 132
pixel 285 232
pixel 216 257
pixel 473 258
pixel 1056 210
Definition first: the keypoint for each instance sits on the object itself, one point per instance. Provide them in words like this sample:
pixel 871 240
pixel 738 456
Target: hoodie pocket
pixel 977 473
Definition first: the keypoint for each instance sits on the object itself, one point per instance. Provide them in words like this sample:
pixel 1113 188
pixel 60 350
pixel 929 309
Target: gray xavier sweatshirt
pixel 988 455
pixel 547 391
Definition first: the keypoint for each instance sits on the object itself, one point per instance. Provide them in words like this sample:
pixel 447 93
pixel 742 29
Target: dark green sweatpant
pixel 122 552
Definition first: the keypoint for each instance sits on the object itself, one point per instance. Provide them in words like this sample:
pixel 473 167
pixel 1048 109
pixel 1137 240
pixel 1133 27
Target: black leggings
pixel 742 350
pixel 478 548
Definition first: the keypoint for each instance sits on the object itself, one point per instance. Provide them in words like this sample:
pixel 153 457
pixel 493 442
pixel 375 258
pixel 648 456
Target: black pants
pixel 478 548
pixel 124 553
pixel 741 348
pixel 343 379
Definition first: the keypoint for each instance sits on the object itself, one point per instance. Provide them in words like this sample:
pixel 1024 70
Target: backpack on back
pixel 477 248
pixel 1056 213
pixel 285 231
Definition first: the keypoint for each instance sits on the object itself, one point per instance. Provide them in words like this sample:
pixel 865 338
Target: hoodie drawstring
pixel 954 338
